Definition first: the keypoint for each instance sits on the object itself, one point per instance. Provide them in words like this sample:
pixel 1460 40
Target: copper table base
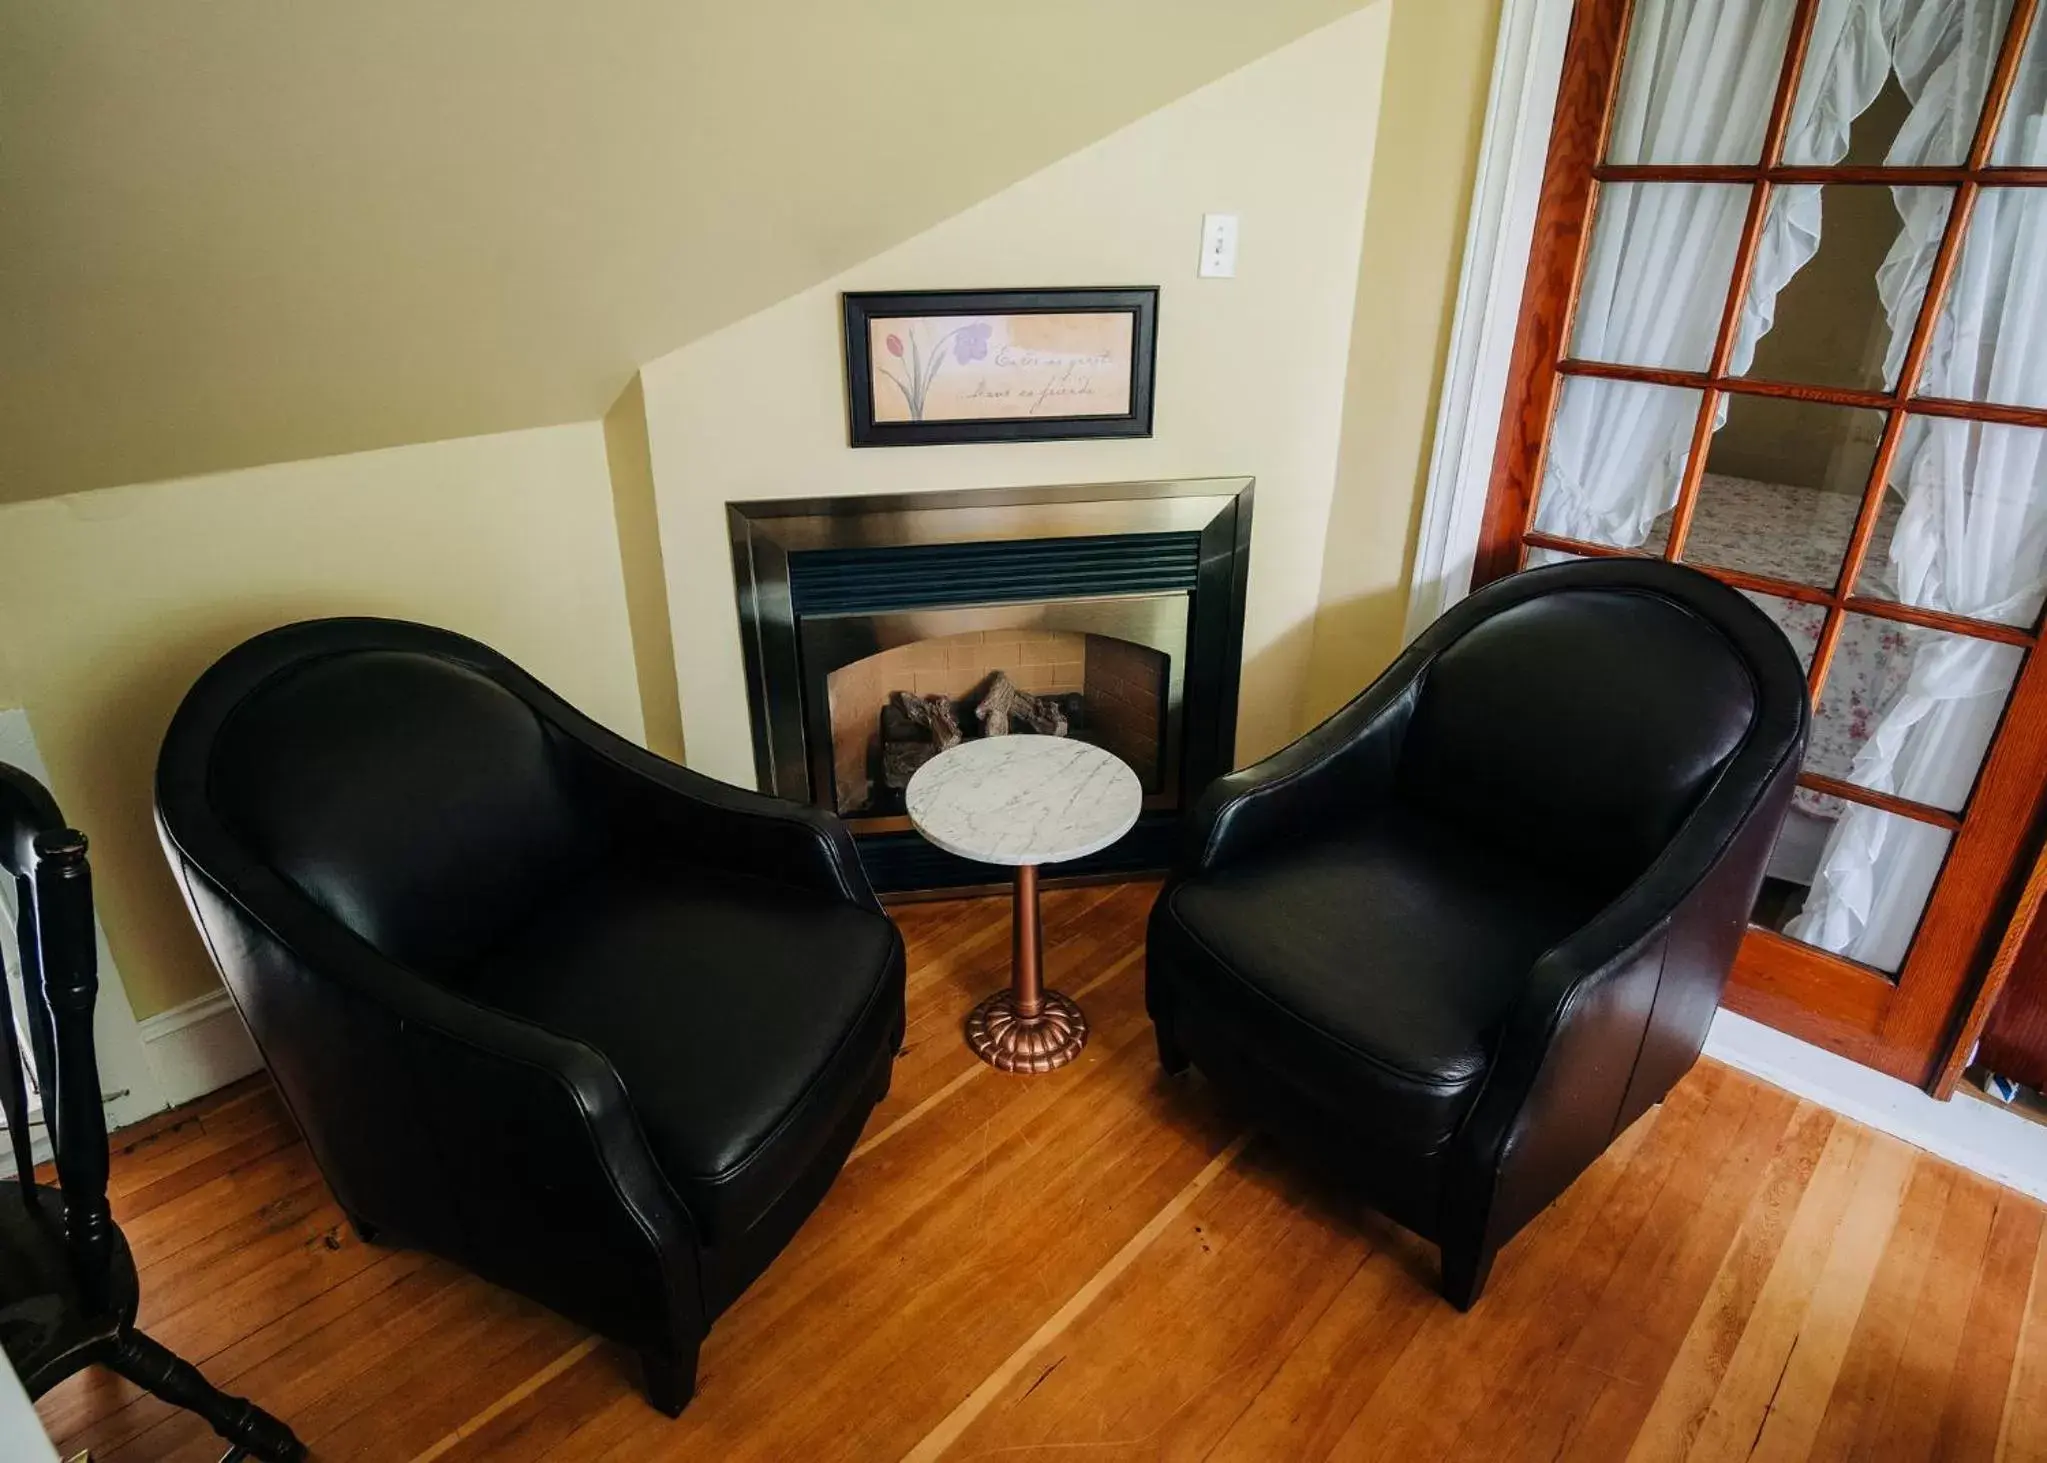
pixel 1026 1028
pixel 1009 1041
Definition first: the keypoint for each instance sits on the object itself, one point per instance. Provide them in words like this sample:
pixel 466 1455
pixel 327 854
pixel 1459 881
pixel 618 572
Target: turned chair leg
pixel 248 1427
pixel 671 1379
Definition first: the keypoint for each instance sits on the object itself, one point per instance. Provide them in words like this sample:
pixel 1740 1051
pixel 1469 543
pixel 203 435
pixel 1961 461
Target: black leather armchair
pixel 1465 932
pixel 598 1028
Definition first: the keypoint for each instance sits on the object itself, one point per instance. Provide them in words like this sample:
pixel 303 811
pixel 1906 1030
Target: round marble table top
pixel 1024 800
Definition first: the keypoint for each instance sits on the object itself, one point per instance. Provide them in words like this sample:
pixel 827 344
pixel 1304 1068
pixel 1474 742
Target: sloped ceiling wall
pixel 239 232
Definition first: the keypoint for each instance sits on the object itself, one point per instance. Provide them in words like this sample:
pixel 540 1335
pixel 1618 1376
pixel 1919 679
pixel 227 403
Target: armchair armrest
pixel 1344 765
pixel 710 822
pixel 731 828
pixel 465 1129
pixel 1615 1014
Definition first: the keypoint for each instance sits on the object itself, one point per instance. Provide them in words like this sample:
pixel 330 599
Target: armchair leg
pixel 1465 1271
pixel 1172 1056
pixel 671 1378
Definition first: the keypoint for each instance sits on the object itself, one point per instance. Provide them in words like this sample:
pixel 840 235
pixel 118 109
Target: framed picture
pixel 931 366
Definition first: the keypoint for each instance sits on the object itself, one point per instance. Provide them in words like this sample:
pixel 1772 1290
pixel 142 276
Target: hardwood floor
pixel 1101 1264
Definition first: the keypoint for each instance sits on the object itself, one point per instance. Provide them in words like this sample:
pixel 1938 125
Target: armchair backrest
pixel 412 797
pixel 1580 725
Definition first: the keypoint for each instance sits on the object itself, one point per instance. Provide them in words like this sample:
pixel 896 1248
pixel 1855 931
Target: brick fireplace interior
pixel 1113 693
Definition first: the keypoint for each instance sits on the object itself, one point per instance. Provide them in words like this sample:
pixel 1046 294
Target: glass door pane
pixel 1784 482
pixel 1698 80
pixel 1910 710
pixel 1991 342
pixel 2022 137
pixel 1617 453
pixel 1840 275
pixel 1800 622
pixel 1964 522
pixel 1850 880
pixel 1860 70
pixel 1655 283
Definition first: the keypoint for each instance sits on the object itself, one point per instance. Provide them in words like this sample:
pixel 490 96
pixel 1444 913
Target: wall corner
pixel 631 464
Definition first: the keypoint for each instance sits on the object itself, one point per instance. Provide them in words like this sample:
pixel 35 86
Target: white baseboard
pixel 193 1049
pixel 199 1047
pixel 1976 1135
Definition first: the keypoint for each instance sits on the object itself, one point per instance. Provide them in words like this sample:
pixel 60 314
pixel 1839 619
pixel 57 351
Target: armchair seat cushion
pixel 739 1014
pixel 1374 966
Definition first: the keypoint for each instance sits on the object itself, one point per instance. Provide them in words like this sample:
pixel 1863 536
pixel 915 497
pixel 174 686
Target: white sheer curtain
pixel 1972 533
pixel 1700 80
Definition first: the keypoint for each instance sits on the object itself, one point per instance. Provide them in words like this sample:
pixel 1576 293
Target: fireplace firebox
pixel 879 630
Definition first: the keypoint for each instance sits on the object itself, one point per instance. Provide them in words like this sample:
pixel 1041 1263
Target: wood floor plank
pixel 1588 1390
pixel 1005 1204
pixel 1864 1381
pixel 1254 1261
pixel 1910 1421
pixel 1456 1360
pixel 1982 1375
pixel 1318 1387
pixel 187 1148
pixel 1085 1265
pixel 1872 1177
pixel 1731 1357
pixel 2022 1430
pixel 1798 1403
pixel 324 1378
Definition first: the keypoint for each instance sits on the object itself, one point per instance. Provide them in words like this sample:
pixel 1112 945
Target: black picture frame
pixel 861 308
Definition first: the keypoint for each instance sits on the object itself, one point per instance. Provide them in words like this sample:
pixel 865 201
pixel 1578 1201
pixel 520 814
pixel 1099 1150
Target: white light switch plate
pixel 1218 246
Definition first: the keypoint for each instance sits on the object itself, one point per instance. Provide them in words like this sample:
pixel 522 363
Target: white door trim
pixel 1528 68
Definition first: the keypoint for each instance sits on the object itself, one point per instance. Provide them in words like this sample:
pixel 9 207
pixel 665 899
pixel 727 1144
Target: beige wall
pixel 240 232
pixel 1431 115
pixel 1314 371
pixel 112 602
pixel 1250 370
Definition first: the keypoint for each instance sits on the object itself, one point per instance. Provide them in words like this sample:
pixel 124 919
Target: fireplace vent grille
pixel 917 576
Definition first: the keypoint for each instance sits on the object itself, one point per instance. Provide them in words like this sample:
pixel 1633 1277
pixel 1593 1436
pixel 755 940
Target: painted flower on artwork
pixel 969 343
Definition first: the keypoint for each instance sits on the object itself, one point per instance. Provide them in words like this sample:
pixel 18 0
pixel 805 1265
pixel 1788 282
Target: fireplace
pixel 880 629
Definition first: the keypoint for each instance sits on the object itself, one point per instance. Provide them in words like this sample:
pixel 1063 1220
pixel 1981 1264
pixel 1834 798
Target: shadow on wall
pixel 1269 695
pixel 1355 639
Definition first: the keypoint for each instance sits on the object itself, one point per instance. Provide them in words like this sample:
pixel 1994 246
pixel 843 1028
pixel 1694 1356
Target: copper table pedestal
pixel 1026 1028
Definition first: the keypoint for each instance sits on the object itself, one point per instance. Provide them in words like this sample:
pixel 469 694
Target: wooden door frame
pixel 1805 992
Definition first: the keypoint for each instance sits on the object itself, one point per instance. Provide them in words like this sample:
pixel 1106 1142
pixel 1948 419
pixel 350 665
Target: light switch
pixel 1218 246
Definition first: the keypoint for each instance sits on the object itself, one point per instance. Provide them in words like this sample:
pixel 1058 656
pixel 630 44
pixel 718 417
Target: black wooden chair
pixel 68 1291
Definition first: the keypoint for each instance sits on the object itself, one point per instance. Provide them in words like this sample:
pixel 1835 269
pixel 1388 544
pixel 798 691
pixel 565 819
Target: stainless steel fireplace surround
pixel 822 581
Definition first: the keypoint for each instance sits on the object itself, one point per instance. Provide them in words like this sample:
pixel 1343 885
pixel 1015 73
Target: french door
pixel 1786 321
